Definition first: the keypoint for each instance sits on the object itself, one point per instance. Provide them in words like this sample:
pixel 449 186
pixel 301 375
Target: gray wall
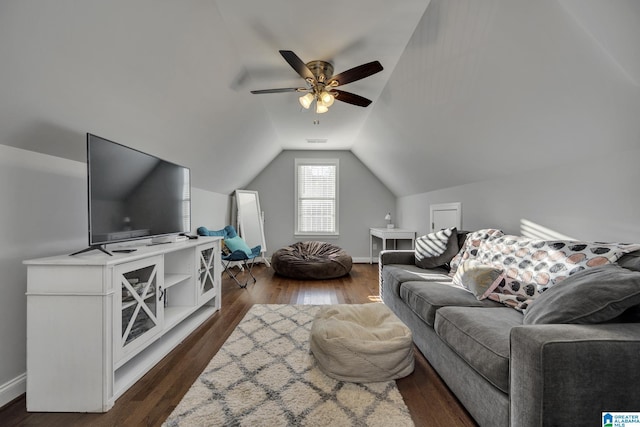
pixel 363 201
pixel 594 200
pixel 44 213
pixel 498 89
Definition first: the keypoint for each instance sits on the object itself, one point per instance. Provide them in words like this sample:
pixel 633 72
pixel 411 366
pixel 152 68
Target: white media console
pixel 97 323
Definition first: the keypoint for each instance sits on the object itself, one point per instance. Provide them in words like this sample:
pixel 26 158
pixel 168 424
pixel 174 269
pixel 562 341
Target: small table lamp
pixel 387 217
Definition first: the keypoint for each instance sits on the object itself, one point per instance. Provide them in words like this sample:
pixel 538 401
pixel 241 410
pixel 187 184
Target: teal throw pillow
pixel 237 244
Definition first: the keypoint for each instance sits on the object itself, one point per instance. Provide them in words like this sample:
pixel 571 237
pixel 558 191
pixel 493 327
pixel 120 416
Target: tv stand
pixel 155 243
pixel 161 240
pixel 92 248
pixel 96 324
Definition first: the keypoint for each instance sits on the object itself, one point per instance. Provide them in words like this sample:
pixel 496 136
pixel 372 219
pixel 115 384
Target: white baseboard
pixel 12 389
pixel 355 260
pixel 364 260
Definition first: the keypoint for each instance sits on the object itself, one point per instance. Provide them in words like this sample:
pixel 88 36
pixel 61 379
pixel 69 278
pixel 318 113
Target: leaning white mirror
pixel 250 219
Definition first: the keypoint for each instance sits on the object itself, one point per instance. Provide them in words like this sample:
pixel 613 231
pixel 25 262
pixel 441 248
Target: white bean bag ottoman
pixel 361 343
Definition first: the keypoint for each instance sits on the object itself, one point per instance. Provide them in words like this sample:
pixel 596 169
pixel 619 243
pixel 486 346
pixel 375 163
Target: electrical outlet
pixel 375 246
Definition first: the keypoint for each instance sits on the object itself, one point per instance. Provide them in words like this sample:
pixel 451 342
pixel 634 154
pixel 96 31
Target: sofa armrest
pixel 393 257
pixel 570 374
pixel 397 257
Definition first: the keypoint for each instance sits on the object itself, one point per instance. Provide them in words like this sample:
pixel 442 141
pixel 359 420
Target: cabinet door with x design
pixel 208 271
pixel 139 307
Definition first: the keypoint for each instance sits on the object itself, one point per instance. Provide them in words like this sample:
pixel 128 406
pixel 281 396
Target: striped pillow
pixel 436 249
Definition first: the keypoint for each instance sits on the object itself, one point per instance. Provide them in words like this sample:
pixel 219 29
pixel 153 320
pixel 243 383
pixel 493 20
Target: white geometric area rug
pixel 265 375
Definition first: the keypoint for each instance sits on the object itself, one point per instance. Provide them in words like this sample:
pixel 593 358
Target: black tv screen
pixel 134 195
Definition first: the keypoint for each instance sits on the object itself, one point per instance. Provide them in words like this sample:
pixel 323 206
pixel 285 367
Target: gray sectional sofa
pixel 507 371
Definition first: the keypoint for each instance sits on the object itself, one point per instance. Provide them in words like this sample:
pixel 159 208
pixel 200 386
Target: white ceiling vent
pixel 317 140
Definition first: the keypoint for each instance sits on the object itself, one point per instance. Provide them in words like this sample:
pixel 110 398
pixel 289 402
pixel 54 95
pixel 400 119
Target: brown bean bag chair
pixel 311 260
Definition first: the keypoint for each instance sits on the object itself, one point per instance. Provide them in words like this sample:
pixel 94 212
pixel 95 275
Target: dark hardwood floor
pixel 152 399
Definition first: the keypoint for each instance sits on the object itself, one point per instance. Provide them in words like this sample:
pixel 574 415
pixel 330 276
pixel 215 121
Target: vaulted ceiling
pixel 471 90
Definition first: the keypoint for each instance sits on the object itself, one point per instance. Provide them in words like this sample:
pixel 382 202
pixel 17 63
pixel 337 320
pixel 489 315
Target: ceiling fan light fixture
pixel 326 98
pixel 306 100
pixel 322 82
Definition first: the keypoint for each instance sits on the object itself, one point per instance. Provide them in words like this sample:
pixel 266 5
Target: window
pixel 316 196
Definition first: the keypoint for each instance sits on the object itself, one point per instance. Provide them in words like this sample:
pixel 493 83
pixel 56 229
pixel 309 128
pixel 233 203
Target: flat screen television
pixel 133 195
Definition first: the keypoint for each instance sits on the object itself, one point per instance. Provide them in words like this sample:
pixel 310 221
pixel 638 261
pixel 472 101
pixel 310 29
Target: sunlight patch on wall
pixel 533 230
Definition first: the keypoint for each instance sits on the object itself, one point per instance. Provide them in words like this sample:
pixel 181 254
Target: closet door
pixel 445 215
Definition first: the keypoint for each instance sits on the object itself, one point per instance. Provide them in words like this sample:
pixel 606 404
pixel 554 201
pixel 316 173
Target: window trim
pixel 327 162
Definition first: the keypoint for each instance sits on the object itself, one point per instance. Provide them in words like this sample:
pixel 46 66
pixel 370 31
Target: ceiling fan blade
pixel 297 64
pixel 356 73
pixel 281 90
pixel 351 98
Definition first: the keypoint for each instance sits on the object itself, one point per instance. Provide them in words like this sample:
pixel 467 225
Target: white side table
pixel 389 234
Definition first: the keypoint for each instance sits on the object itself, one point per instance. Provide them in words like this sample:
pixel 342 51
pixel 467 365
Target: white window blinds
pixel 316 196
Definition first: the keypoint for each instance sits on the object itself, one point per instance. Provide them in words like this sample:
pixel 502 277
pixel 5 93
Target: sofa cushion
pixel 592 296
pixel 425 298
pixel 436 249
pixel 393 275
pixel 480 336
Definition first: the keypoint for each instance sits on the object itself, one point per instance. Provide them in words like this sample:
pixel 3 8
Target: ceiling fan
pixel 321 83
